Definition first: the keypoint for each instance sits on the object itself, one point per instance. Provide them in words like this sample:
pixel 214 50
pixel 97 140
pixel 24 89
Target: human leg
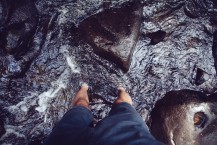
pixel 123 125
pixel 74 128
pixel 123 110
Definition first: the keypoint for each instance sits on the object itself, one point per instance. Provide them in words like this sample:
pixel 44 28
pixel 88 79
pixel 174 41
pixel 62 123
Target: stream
pixel 45 57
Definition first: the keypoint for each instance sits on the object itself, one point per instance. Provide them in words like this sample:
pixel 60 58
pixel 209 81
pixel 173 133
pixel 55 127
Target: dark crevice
pixel 199 77
pixel 156 37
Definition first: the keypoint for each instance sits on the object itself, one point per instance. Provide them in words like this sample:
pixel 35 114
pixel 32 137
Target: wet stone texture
pixel 49 47
pixel 18 47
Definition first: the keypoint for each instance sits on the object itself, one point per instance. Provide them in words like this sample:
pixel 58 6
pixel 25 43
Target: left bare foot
pixel 81 98
pixel 123 96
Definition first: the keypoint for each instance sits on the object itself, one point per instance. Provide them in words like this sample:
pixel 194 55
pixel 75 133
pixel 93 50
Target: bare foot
pixel 123 96
pixel 81 98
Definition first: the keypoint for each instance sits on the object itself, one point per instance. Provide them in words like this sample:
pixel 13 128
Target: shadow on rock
pixel 20 38
pixel 2 129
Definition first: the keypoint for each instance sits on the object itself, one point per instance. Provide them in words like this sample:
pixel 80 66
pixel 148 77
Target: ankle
pixel 82 102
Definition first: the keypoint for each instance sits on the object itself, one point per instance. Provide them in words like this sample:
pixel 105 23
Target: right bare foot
pixel 123 96
pixel 81 98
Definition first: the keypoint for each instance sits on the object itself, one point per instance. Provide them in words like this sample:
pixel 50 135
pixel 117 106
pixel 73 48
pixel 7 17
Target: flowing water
pixel 37 82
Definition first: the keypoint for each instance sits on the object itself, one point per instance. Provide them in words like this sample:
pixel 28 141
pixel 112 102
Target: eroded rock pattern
pixel 38 80
pixel 20 43
pixel 185 117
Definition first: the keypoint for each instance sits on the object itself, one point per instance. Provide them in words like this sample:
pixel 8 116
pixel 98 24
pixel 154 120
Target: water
pixel 38 82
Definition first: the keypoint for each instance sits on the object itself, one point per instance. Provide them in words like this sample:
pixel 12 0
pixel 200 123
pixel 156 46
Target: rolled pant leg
pixel 74 128
pixel 123 126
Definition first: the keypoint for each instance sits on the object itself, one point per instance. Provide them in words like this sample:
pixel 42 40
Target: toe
pixel 120 88
pixel 84 86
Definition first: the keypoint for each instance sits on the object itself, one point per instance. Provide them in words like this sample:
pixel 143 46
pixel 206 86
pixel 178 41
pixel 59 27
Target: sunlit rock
pixel 113 33
pixel 185 117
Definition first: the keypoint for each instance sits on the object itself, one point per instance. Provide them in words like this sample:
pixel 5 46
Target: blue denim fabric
pixel 123 126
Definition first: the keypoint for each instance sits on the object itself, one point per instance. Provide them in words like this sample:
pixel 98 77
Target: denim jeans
pixel 123 126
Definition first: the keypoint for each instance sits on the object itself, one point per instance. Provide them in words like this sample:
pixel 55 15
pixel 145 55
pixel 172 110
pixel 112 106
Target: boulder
pixel 185 117
pixel 113 33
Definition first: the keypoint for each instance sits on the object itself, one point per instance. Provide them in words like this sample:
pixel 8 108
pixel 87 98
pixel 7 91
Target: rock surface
pixel 214 49
pixel 2 129
pixel 114 33
pixel 18 37
pixel 36 85
pixel 186 111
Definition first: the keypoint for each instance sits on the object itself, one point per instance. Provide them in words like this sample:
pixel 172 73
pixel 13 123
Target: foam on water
pixel 24 105
pixel 46 96
pixel 59 84
pixel 70 61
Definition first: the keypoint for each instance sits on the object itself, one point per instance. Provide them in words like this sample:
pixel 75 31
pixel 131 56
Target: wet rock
pixel 53 67
pixel 20 42
pixel 214 49
pixel 186 111
pixel 20 27
pixel 156 37
pixel 194 8
pixel 2 129
pixel 113 33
